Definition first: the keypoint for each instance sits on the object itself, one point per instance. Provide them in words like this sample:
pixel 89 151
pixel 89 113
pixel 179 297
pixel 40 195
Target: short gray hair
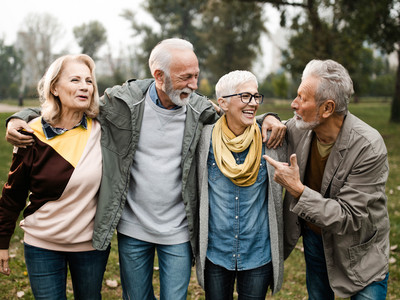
pixel 228 83
pixel 51 105
pixel 160 56
pixel 334 83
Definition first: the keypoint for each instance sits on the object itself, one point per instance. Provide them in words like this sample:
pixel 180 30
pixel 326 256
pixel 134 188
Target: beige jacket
pixel 351 207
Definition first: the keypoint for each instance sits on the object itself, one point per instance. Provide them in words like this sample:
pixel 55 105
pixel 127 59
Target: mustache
pixel 297 115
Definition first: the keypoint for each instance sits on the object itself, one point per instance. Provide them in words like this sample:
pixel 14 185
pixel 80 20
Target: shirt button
pixel 213 164
pixel 237 217
pixel 236 198
pixel 235 236
pixel 234 255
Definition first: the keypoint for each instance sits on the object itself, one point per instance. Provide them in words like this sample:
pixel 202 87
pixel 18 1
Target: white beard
pixel 175 95
pixel 300 124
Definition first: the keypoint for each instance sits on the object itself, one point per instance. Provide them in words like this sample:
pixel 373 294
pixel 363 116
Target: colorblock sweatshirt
pixel 62 176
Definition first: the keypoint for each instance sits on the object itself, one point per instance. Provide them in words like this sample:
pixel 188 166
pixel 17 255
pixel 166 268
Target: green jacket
pixel 121 113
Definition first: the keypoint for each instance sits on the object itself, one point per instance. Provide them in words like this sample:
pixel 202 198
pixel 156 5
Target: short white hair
pixel 229 83
pixel 334 83
pixel 160 56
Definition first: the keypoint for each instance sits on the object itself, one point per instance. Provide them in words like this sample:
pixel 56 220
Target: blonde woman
pixel 61 173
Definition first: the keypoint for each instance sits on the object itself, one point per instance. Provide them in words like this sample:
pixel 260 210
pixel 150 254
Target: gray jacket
pixel 274 209
pixel 351 208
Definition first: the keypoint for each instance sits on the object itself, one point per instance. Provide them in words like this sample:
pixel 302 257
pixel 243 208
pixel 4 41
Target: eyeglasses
pixel 246 97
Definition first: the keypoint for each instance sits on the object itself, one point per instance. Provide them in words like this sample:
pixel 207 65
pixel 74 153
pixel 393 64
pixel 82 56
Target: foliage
pixel 10 69
pixel 225 34
pixel 174 18
pixel 90 37
pixel 231 30
pixel 379 22
pixel 337 29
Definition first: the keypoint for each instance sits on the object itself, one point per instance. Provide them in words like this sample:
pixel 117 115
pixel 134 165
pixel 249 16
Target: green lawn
pixel 374 113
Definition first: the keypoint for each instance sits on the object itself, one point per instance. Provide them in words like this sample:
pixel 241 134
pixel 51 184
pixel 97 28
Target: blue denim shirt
pixel 238 237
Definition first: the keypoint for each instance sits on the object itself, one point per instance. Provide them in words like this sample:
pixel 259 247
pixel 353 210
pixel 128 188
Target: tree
pixel 379 22
pixel 90 37
pixel 353 22
pixel 225 34
pixel 175 18
pixel 10 68
pixel 231 30
pixel 37 39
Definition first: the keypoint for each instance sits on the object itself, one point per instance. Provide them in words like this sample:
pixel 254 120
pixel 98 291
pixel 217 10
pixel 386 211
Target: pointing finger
pixel 271 161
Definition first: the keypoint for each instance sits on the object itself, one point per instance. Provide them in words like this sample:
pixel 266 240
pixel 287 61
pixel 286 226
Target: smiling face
pixel 306 112
pixel 176 88
pixel 240 115
pixel 74 87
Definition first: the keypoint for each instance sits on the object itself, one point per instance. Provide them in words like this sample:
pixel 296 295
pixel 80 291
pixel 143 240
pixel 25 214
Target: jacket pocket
pixel 367 260
pixel 116 133
pixel 336 185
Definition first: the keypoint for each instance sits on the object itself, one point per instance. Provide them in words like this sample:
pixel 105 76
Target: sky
pixel 73 13
pixel 69 14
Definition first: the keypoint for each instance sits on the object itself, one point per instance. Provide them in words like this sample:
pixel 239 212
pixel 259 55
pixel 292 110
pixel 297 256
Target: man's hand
pixel 16 138
pixel 4 268
pixel 287 176
pixel 278 131
pixel 216 107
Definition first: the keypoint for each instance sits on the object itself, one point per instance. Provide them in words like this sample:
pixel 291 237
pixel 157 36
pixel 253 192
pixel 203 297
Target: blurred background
pixel 274 39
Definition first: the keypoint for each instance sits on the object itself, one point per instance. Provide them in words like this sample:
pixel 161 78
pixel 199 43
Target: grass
pixel 294 287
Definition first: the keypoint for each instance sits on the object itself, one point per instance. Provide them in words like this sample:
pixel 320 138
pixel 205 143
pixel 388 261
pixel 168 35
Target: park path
pixel 9 108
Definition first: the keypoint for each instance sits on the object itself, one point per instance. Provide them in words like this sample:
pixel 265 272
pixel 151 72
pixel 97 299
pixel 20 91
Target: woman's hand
pixel 4 268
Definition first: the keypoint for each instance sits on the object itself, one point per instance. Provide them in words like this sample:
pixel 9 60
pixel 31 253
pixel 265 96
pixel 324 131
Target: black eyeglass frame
pixel 251 97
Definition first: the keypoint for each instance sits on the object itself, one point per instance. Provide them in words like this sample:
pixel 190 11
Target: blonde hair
pixel 51 105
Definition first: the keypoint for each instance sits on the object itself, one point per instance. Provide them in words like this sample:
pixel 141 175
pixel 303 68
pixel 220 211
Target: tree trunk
pixel 395 112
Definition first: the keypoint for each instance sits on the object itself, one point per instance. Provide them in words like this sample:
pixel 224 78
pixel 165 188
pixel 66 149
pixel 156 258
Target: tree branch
pixel 278 2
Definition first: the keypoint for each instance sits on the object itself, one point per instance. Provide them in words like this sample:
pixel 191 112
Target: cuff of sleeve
pixel 273 114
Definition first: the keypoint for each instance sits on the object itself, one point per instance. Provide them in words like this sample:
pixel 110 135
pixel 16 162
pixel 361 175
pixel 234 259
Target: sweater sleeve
pixel 15 192
pixel 26 114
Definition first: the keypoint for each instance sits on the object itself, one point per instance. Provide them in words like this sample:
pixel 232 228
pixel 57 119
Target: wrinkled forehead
pixel 184 61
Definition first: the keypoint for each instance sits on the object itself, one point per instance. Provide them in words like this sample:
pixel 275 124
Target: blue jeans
pixel 251 284
pixel 47 270
pixel 136 262
pixel 317 276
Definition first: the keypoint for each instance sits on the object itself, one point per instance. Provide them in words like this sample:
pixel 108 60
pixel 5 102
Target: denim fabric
pixel 238 237
pixel 251 284
pixel 47 271
pixel 317 276
pixel 136 260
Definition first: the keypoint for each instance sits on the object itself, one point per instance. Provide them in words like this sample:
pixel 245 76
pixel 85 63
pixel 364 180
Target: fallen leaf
pixel 20 294
pixel 111 283
pixel 392 260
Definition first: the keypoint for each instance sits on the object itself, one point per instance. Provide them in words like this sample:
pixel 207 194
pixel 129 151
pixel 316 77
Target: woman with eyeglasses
pixel 240 204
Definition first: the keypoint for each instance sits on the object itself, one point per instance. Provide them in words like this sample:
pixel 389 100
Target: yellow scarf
pixel 224 141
